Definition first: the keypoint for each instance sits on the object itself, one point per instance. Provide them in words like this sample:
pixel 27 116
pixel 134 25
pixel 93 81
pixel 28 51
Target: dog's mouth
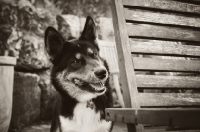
pixel 98 87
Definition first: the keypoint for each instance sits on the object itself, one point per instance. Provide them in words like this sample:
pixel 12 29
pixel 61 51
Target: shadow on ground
pixel 45 127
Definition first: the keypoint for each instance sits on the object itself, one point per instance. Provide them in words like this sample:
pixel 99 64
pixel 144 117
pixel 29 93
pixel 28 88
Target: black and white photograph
pixel 99 65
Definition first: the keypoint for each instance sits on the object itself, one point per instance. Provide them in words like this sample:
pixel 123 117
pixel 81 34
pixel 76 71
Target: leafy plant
pixel 22 26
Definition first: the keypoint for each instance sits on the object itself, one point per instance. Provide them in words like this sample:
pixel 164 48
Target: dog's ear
pixel 89 31
pixel 53 42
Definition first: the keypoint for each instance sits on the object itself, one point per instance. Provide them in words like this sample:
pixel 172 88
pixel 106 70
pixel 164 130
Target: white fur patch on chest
pixel 84 120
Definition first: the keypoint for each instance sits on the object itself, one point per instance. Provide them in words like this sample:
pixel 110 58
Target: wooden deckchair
pixel 146 30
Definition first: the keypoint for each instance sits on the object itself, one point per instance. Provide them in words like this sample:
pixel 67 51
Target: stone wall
pixel 47 95
pixel 26 100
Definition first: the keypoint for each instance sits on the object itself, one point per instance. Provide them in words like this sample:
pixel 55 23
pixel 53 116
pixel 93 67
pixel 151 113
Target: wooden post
pixel 6 91
pixel 127 73
pixel 117 88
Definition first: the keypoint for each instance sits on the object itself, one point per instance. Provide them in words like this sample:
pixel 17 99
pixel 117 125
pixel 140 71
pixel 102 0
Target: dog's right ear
pixel 53 42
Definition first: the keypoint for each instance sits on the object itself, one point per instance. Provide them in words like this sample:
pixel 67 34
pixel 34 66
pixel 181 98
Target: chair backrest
pixel 108 52
pixel 161 39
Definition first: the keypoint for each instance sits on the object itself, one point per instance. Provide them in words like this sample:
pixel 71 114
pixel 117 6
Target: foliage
pixel 27 16
pixel 22 26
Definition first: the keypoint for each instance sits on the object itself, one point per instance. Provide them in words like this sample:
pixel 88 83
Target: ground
pixel 45 127
pixel 118 127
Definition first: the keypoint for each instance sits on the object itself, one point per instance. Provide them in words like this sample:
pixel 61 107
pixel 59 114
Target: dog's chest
pixel 84 120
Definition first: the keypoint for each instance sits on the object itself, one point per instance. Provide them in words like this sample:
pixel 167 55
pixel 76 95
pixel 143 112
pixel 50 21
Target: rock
pixel 82 23
pixel 26 100
pixel 5 32
pixel 106 31
pixel 104 26
pixel 84 8
pixel 32 54
pixel 74 24
pixel 63 27
pixel 47 95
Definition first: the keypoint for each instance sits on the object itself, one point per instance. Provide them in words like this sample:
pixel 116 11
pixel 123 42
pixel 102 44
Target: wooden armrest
pixel 188 117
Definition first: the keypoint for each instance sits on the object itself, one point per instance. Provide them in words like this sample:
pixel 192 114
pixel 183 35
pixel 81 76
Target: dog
pixel 81 78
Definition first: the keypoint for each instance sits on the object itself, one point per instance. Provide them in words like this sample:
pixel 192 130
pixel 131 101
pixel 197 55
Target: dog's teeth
pixel 101 84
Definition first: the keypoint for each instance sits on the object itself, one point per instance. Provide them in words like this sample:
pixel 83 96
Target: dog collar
pixel 90 104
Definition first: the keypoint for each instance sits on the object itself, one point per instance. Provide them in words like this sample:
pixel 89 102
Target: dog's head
pixel 78 70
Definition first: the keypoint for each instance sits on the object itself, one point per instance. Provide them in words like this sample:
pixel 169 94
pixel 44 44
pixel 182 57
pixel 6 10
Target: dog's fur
pixel 80 76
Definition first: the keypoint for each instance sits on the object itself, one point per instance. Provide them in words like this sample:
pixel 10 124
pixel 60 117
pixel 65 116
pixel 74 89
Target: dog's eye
pixel 74 61
pixel 93 55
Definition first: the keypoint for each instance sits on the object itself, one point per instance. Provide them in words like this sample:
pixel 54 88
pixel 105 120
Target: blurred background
pixel 22 26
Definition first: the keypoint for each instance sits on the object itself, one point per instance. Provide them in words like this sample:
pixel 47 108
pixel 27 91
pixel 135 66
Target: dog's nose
pixel 101 73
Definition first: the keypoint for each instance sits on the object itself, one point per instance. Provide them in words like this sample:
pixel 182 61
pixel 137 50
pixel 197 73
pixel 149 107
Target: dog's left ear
pixel 89 31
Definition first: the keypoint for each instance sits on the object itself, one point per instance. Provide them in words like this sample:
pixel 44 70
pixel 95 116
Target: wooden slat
pixel 127 75
pixel 162 32
pixel 166 128
pixel 154 81
pixel 161 18
pixel 154 64
pixel 5 60
pixel 188 117
pixel 108 52
pixel 171 5
pixel 164 48
pixel 169 99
